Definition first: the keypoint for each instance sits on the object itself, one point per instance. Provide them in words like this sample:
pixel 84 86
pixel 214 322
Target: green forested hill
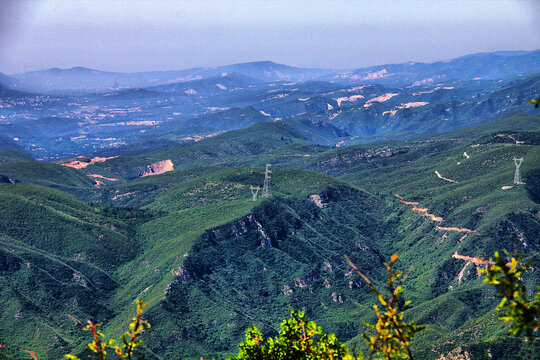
pixel 57 262
pixel 14 156
pixel 210 202
pixel 236 145
pixel 48 174
pixel 211 262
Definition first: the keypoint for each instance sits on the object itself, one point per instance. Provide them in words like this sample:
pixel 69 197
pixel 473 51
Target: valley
pixel 141 190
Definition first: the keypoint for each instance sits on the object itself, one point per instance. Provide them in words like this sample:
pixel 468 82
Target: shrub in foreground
pixel 130 339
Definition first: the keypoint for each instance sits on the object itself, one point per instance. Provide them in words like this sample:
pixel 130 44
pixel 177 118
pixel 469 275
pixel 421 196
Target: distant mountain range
pixel 80 79
pixel 484 66
pixel 60 113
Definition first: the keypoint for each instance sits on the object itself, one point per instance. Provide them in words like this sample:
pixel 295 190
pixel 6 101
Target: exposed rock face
pixel 85 162
pixel 158 168
pixel 317 200
pixel 102 177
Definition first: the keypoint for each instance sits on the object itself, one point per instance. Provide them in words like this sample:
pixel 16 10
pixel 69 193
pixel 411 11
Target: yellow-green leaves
pixel 524 314
pixel 535 102
pixel 392 335
pixel 130 339
pixel 296 341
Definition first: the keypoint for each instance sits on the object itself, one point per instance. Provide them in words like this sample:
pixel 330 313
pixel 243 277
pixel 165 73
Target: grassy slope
pixel 14 156
pixel 503 219
pixel 51 175
pixel 57 262
pixel 195 203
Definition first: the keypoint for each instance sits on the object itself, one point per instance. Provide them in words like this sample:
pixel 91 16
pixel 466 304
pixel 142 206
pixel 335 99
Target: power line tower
pixel 266 185
pixel 517 176
pixel 254 192
pixel 115 84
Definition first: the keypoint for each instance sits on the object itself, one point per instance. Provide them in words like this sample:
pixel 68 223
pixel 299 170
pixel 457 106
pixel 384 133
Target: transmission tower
pixel 254 192
pixel 517 176
pixel 115 84
pixel 266 185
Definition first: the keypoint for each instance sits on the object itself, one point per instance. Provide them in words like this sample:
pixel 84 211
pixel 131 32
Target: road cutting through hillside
pixel 102 177
pixel 433 217
pixel 32 354
pixel 407 202
pixel 473 259
pixel 424 211
pixel 452 228
pixel 481 264
pixel 442 177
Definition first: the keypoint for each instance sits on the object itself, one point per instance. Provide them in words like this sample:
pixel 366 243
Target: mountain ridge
pixel 270 72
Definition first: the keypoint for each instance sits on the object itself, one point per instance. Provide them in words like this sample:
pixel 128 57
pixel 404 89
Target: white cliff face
pixel 158 168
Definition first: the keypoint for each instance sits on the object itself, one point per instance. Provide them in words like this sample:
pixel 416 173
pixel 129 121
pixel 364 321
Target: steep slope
pixel 50 175
pixel 57 260
pixel 457 201
pixel 448 211
pixel 225 262
pixel 456 204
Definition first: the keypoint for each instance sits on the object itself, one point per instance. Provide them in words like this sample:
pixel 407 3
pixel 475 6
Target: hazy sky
pixel 162 35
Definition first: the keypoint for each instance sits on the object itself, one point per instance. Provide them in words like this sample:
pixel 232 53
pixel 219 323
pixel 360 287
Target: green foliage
pixel 392 335
pixel 48 174
pixel 235 277
pixel 13 155
pixel 130 339
pixel 97 346
pixel 299 339
pixel 204 217
pixel 524 314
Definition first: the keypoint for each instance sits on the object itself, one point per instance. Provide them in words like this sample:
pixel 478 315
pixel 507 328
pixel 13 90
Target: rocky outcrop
pixel 158 168
pixel 317 200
